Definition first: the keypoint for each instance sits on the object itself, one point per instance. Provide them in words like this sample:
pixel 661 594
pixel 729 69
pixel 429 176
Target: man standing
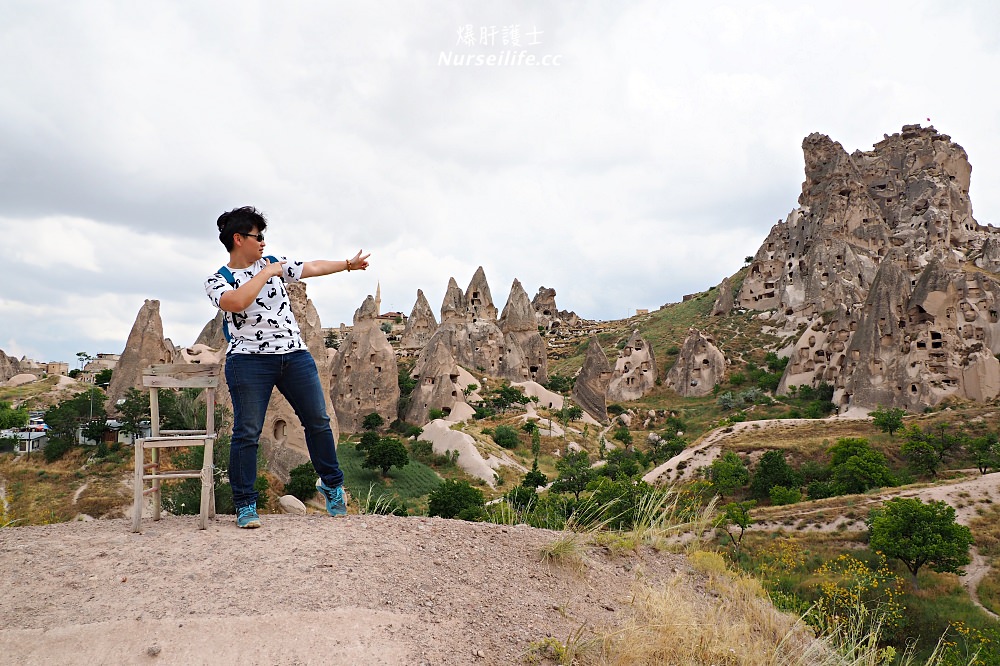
pixel 266 351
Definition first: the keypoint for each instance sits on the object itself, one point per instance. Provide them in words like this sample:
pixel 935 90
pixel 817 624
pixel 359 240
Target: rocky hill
pixel 886 275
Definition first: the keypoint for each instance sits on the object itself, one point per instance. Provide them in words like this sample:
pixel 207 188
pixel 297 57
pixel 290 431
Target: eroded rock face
pixel 725 301
pixel 547 314
pixel 364 375
pixel 420 326
pixel 634 374
pixel 525 357
pixel 590 391
pixel 478 298
pixel 873 262
pixel 145 346
pixel 212 335
pixel 437 376
pixel 700 366
pixel 9 366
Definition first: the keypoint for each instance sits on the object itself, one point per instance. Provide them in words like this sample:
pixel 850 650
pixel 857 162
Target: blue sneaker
pixel 335 504
pixel 246 516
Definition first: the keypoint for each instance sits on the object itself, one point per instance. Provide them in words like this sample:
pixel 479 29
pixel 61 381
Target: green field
pixel 413 481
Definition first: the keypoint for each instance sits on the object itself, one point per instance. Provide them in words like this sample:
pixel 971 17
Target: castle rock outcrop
pixel 876 262
pixel 699 367
pixel 364 375
pixel 634 374
pixel 590 391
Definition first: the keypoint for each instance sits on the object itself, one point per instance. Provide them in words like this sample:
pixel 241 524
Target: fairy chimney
pixel 699 366
pixel 420 326
pixel 591 388
pixel 525 356
pixel 364 376
pixel 634 374
pixel 145 346
pixel 437 376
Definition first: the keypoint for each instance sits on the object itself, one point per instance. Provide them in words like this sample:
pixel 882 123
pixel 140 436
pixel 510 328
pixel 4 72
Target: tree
pixel 986 451
pixel 575 473
pixel 84 358
pixel 535 477
pixel 623 435
pixel 857 467
pixel 772 470
pixel 103 378
pixel 369 438
pixel 134 410
pixel 926 449
pixel 728 473
pixel 888 419
pixel 620 463
pixel 455 498
pixel 738 514
pixel 373 421
pixel 12 418
pixel 916 534
pixel 331 341
pixel 388 452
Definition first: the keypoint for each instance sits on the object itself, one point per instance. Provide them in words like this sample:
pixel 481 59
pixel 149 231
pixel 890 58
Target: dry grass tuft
pixel 567 550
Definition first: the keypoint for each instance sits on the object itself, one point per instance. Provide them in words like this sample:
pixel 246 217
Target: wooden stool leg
pixel 137 487
pixel 155 469
pixel 206 482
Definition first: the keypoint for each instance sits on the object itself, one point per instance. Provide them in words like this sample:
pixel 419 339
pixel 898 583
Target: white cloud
pixel 646 166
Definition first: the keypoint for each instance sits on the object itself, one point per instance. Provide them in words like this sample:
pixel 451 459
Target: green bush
pixel 781 495
pixel 302 482
pixel 453 497
pixel 388 452
pixel 435 414
pixel 506 437
pixel 615 410
pixel 56 448
pixel 522 498
pixel 373 421
pixel 560 383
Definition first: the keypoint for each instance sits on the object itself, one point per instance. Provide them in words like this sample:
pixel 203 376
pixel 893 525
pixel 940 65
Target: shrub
pixel 56 448
pixel 302 482
pixel 373 421
pixel 737 378
pixel 615 410
pixel 454 497
pixel 560 383
pixel 522 498
pixel 728 473
pixel 506 437
pixel 781 495
pixel 435 414
pixel 821 489
pixel 772 470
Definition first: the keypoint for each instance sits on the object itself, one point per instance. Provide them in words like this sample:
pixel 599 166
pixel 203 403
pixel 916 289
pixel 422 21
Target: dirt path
pixel 79 491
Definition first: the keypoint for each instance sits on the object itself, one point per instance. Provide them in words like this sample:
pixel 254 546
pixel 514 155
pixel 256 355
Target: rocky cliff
pixel 884 267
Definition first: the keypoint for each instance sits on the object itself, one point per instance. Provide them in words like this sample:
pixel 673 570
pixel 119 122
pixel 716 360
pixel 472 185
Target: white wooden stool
pixel 179 375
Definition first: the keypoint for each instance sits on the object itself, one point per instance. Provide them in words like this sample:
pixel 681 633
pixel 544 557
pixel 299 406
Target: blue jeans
pixel 251 378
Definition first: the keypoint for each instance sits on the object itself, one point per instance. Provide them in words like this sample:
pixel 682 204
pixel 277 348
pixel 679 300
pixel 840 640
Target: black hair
pixel 239 221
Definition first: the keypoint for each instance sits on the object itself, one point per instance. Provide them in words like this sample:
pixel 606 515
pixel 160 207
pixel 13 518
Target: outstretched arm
pixel 325 267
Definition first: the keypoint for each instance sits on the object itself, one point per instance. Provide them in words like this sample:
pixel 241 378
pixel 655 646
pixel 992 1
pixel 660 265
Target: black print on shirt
pixel 262 304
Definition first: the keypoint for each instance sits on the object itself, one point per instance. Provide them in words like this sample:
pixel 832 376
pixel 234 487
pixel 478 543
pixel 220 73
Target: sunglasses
pixel 259 237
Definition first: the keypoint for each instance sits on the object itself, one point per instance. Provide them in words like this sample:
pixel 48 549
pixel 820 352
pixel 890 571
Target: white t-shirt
pixel 268 325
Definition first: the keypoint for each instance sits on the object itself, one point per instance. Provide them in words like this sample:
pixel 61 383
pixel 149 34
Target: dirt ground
pixel 302 590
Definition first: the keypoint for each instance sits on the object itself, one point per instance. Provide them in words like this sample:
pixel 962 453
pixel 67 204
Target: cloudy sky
pixel 624 153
